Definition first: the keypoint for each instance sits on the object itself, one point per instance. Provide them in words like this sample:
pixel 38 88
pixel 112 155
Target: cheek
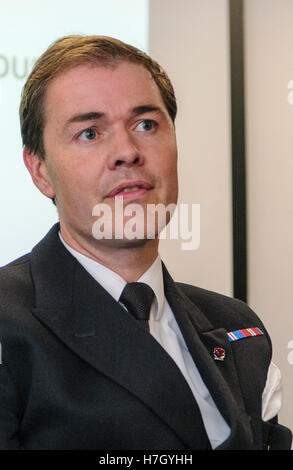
pixel 164 153
pixel 168 164
pixel 167 171
pixel 172 175
pixel 70 177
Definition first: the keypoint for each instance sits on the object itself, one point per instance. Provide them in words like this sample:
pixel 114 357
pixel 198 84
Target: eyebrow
pixel 90 116
pixel 146 109
pixel 94 115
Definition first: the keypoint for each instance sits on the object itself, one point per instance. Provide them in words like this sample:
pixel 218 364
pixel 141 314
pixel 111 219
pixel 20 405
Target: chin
pixel 136 243
pixel 122 243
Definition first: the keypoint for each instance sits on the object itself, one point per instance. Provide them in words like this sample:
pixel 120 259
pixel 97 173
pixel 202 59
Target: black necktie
pixel 137 298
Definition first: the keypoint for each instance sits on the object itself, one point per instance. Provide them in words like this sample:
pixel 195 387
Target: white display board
pixel 28 27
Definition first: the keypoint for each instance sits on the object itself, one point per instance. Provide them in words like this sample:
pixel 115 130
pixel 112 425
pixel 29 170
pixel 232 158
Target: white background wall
pixel 269 123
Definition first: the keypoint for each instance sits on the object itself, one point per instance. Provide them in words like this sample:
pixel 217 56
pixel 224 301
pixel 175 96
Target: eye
pixel 146 125
pixel 88 134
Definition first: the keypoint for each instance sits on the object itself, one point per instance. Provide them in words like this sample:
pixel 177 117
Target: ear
pixel 39 173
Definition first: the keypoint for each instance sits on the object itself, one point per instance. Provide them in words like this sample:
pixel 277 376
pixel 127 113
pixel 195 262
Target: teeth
pixel 127 190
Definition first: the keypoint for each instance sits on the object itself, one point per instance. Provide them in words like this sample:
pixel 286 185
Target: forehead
pixel 107 88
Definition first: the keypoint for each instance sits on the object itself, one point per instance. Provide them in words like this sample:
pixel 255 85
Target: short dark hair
pixel 67 53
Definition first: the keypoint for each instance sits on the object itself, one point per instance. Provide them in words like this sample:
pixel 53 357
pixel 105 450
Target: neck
pixel 129 260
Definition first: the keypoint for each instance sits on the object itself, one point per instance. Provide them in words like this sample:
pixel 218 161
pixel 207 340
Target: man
pixel 84 366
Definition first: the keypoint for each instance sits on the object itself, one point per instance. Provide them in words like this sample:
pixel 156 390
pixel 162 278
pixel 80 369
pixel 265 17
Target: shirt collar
pixel 114 284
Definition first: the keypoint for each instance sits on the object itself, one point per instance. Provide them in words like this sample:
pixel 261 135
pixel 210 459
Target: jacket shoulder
pixel 16 287
pixel 15 272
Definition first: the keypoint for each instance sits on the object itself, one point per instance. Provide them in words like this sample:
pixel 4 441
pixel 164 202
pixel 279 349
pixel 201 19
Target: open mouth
pixel 130 189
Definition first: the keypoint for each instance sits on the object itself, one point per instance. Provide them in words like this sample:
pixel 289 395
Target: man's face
pixel 107 133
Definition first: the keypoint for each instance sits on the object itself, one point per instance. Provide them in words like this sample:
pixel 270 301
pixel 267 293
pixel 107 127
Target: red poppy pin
pixel 219 354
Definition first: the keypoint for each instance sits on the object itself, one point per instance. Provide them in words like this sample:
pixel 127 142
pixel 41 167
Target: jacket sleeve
pixel 277 436
pixel 9 411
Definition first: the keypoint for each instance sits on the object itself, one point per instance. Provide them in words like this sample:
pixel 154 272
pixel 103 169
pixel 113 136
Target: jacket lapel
pixel 220 377
pixel 95 327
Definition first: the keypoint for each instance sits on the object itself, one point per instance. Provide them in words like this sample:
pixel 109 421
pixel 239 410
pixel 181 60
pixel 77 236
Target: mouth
pixel 130 189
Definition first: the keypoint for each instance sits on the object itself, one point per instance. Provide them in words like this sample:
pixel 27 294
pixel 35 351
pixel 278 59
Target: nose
pixel 123 150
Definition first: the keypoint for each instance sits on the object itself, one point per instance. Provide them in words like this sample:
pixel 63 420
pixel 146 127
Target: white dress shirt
pixel 165 330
